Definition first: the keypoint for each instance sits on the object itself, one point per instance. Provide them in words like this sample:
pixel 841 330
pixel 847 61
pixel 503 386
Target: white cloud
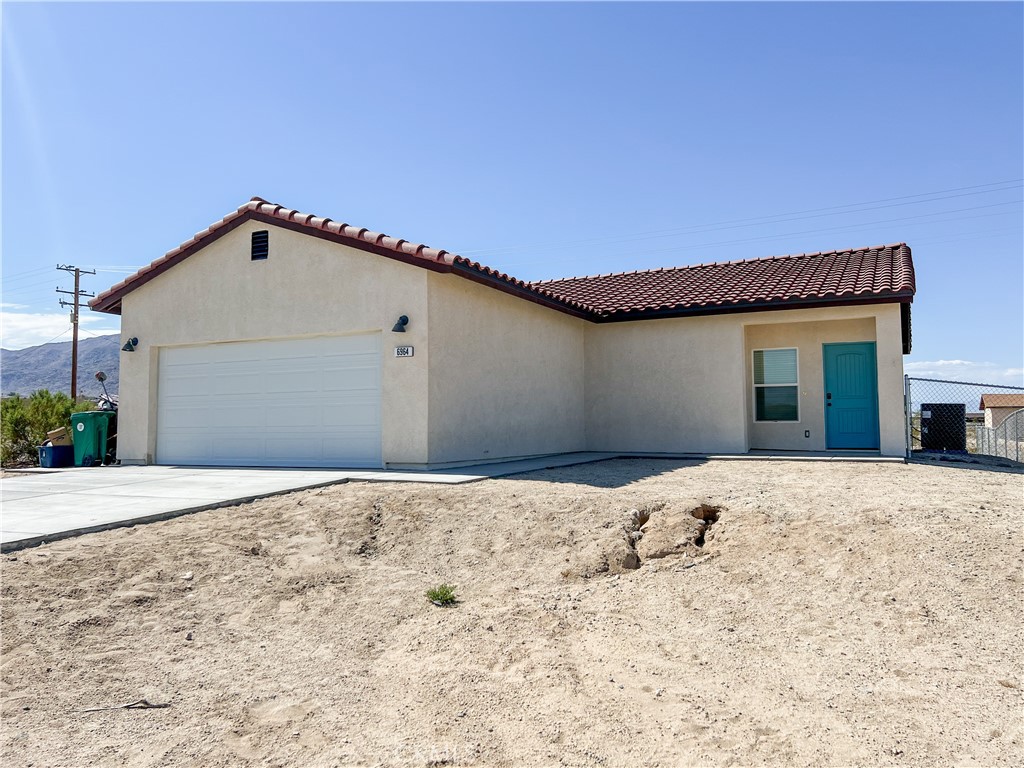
pixel 27 329
pixel 965 370
pixel 13 306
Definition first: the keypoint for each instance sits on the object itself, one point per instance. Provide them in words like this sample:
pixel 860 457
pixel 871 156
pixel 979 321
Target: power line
pixel 40 270
pixel 702 230
pixel 779 235
pixel 978 233
pixel 56 337
pixel 27 286
pixel 814 231
pixel 763 220
pixel 97 335
pixel 32 274
pixel 20 282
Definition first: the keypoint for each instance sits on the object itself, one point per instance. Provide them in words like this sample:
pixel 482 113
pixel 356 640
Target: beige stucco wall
pixel 306 287
pixel 506 375
pixel 685 384
pixel 672 385
pixel 808 330
pixel 808 338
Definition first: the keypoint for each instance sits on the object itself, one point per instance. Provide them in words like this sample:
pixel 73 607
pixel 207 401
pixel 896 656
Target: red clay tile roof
pixel 865 275
pixel 1002 401
pixel 259 209
pixel 884 271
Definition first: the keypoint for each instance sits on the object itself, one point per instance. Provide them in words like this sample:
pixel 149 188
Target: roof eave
pixel 901 297
pixel 110 308
pixel 521 291
pixel 110 301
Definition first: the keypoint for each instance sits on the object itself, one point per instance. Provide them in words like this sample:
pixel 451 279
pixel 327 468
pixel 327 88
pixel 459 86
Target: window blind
pixel 775 366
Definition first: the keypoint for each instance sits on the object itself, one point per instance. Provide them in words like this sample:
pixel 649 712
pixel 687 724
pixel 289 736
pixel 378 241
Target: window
pixel 776 390
pixel 260 245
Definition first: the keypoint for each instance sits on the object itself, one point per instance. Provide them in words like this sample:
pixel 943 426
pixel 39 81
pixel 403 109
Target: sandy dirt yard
pixel 835 614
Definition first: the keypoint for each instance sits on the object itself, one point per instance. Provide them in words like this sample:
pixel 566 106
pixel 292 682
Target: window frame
pixel 756 386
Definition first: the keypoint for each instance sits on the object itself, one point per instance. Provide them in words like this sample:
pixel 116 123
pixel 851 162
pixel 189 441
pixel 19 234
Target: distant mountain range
pixel 48 366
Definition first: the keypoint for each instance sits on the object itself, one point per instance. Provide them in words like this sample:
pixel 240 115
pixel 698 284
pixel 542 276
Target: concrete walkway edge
pixel 35 541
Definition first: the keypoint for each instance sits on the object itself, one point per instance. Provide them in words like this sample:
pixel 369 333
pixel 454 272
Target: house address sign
pixel 403 351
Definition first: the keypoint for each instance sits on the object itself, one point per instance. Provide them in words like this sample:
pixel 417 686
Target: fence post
pixel 906 411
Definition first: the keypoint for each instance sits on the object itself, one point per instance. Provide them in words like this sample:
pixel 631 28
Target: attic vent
pixel 260 245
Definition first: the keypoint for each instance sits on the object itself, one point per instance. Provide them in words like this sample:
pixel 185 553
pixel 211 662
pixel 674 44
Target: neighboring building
pixel 270 339
pixel 998 407
pixel 975 418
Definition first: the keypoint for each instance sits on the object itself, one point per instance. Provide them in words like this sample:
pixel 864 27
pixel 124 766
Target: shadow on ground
pixel 608 473
pixel 971 461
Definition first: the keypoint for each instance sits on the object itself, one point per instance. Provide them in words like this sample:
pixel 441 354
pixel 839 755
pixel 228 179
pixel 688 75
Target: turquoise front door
pixel 851 395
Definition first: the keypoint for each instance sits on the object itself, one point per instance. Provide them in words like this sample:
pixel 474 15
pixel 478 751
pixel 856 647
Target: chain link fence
pixel 1006 440
pixel 959 417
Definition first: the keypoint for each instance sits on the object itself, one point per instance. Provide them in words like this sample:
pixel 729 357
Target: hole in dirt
pixel 654 532
pixel 708 515
pixel 638 518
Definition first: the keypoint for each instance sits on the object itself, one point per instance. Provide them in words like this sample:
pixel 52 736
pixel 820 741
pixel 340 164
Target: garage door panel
pixel 297 402
pixel 240 416
pixel 352 360
pixel 291 383
pixel 341 380
pixel 244 450
pixel 284 449
pixel 236 383
pixel 221 354
pixel 183 384
pixel 336 446
pixel 180 445
pixel 290 417
pixel 189 417
pixel 353 414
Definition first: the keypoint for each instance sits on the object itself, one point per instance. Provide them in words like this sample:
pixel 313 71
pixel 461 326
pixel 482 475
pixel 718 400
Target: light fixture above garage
pixel 130 345
pixel 400 325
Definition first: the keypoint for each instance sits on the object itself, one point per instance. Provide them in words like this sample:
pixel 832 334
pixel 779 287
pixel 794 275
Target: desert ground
pixel 835 614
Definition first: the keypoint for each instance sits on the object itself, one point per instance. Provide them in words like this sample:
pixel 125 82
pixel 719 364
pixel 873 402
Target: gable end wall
pixel 307 287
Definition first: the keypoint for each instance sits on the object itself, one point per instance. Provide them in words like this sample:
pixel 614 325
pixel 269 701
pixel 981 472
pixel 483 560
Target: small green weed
pixel 442 594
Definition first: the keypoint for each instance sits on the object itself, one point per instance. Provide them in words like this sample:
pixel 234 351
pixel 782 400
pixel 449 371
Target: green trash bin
pixel 89 433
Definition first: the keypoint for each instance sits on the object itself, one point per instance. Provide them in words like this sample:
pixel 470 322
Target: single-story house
pixel 279 338
pixel 998 407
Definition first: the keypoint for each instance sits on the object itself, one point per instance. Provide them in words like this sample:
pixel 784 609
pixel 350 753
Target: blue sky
pixel 546 140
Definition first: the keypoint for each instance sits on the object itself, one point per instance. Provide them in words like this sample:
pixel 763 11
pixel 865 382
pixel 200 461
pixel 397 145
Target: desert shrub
pixel 24 422
pixel 442 594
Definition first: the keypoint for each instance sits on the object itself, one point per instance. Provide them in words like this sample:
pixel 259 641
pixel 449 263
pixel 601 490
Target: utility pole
pixel 76 294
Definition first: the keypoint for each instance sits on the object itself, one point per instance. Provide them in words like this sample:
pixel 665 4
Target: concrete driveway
pixel 50 505
pixel 47 506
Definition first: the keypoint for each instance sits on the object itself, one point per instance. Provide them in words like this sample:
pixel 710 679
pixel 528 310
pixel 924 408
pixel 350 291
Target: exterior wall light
pixel 130 345
pixel 400 325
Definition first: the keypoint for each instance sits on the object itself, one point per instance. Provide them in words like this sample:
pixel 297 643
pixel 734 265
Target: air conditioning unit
pixel 944 427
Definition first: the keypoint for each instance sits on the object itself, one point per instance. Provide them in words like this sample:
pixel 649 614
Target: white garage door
pixel 284 403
